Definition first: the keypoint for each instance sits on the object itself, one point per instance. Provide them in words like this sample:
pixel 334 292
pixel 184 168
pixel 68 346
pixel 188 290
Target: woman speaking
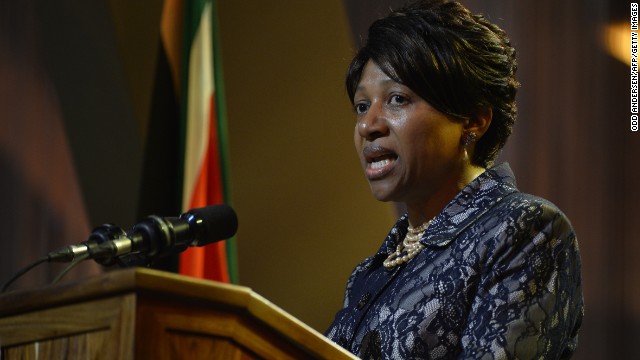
pixel 474 269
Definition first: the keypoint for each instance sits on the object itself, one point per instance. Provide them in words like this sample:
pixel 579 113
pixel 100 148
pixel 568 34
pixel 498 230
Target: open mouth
pixel 380 161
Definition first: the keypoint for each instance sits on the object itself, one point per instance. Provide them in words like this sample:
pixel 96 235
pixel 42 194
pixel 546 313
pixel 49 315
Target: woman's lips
pixel 380 168
pixel 379 161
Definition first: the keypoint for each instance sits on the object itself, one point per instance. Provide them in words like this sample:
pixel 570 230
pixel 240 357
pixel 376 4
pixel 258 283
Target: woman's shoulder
pixel 523 218
pixel 521 203
pixel 531 206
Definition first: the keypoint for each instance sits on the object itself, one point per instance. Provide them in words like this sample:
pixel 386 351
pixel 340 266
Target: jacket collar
pixel 467 206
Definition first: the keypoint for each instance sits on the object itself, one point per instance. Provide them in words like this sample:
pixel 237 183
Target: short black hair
pixel 459 62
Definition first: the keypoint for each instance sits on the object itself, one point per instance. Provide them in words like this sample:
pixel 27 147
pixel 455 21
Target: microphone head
pixel 216 222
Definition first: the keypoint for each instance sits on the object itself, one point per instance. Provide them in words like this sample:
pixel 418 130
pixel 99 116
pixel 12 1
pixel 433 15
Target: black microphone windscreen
pixel 219 222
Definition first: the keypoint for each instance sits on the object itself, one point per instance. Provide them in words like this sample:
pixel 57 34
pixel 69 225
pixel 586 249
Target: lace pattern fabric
pixel 499 278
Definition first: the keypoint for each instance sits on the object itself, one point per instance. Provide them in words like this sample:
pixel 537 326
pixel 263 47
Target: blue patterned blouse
pixel 499 278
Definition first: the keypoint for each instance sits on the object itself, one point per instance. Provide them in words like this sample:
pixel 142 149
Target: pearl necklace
pixel 410 246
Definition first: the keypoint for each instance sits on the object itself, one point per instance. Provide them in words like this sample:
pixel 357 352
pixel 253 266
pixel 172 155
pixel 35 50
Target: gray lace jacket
pixel 499 279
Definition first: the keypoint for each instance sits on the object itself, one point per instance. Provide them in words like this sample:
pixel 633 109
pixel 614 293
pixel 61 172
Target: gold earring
pixel 468 139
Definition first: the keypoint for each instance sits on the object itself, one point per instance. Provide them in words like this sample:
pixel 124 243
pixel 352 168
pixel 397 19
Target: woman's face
pixel 409 150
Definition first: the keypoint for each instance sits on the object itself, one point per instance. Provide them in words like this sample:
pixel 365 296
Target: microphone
pixel 154 236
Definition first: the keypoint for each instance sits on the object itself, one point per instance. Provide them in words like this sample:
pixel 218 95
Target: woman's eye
pixel 397 100
pixel 361 108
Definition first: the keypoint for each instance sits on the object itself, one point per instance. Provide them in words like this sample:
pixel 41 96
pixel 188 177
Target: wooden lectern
pixel 148 314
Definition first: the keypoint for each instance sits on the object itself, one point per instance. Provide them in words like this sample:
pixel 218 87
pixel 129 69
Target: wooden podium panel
pixel 148 314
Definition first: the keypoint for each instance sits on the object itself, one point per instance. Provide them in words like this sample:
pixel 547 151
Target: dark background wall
pixel 78 112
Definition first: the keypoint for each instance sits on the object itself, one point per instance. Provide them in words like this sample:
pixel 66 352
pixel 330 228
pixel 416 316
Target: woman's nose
pixel 373 124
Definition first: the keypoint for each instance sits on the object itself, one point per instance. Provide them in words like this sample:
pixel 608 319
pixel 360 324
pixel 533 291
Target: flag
pixel 203 130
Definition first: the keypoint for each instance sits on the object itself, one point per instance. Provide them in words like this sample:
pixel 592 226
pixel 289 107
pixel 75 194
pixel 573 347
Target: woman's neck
pixel 425 210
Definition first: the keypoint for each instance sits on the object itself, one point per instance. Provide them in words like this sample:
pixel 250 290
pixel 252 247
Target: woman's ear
pixel 479 122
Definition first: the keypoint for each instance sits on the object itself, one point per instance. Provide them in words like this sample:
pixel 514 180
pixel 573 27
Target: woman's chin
pixel 382 193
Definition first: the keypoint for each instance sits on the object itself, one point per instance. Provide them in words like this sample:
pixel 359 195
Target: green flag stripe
pixel 223 137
